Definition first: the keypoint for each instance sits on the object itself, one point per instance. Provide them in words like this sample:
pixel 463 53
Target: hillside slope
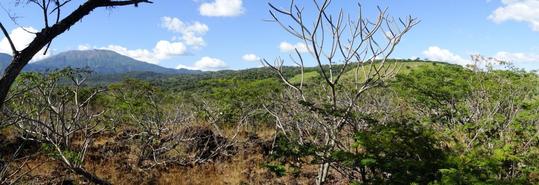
pixel 101 62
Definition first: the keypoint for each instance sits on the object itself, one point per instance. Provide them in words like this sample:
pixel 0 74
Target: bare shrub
pixel 351 55
pixel 165 128
pixel 56 110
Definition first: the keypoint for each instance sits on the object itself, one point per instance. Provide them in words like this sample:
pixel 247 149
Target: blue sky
pixel 232 34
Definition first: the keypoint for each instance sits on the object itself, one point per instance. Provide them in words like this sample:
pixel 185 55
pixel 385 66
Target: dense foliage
pixel 444 124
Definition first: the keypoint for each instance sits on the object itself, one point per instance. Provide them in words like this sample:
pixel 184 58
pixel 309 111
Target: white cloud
pixel 191 38
pixel 438 54
pixel 287 47
pixel 162 50
pixel 516 57
pixel 222 8
pixel 206 64
pixel 191 33
pixel 21 38
pixel 518 10
pixel 250 57
pixel 83 47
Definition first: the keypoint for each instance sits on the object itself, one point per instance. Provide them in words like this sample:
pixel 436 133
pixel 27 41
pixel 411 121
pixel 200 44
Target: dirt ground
pixel 111 159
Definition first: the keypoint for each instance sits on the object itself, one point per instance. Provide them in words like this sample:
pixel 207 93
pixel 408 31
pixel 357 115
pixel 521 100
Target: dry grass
pixel 110 159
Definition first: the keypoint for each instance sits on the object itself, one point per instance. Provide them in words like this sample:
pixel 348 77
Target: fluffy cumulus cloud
pixel 190 38
pixel 191 33
pixel 518 10
pixel 83 47
pixel 517 57
pixel 162 50
pixel 250 58
pixel 222 8
pixel 21 38
pixel 286 47
pixel 206 64
pixel 439 54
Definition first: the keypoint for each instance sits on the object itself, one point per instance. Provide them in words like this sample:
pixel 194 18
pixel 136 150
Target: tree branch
pixel 11 44
pixel 46 35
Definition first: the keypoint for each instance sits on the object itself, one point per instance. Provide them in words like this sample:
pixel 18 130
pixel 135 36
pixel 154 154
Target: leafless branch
pixel 11 44
pixel 334 43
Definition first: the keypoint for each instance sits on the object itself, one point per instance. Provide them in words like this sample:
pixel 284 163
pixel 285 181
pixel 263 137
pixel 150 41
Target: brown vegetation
pixel 112 159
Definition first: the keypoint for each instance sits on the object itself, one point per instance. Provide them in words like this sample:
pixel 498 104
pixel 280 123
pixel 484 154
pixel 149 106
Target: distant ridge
pixel 102 62
pixel 5 59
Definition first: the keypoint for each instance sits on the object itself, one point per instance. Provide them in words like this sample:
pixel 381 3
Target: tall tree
pixel 51 12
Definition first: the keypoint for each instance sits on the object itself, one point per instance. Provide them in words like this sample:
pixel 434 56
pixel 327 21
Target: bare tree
pixel 351 55
pixel 54 25
pixel 214 142
pixel 158 131
pixel 165 128
pixel 58 116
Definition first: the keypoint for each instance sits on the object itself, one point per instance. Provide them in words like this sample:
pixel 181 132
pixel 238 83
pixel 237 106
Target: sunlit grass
pixel 401 67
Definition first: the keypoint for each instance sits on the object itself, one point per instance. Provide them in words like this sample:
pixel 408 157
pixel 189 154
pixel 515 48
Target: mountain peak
pixel 101 62
pixel 89 52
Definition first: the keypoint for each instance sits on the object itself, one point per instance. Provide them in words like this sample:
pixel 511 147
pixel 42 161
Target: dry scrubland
pixel 357 117
pixel 111 157
pixel 459 126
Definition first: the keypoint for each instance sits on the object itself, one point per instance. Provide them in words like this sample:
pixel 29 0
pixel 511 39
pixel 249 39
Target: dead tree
pixel 54 25
pixel 158 131
pixel 351 55
pixel 60 116
pixel 164 128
